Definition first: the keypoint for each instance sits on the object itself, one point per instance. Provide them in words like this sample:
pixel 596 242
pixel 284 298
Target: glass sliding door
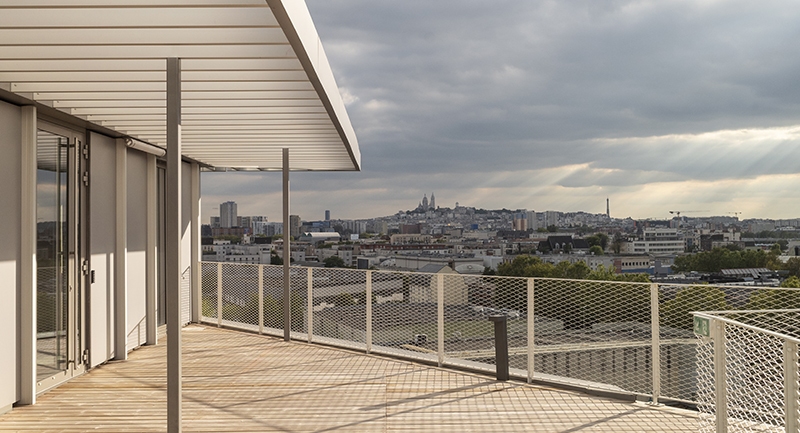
pixel 58 257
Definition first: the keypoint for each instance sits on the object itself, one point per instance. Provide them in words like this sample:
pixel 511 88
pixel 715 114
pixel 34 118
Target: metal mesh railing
pixel 240 300
pixel 633 338
pixel 339 305
pixel 405 314
pixel 468 303
pixel 597 332
pixel 747 367
pixel 208 288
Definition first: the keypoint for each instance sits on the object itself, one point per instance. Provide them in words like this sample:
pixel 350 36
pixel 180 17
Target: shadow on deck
pixel 234 381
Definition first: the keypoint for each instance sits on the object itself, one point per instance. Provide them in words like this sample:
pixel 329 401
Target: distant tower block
pixel 327 215
pixel 608 208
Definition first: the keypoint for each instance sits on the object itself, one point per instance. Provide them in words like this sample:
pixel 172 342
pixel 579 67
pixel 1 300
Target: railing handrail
pixel 716 315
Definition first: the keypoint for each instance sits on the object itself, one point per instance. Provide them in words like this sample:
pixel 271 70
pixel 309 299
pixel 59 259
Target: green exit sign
pixel 701 326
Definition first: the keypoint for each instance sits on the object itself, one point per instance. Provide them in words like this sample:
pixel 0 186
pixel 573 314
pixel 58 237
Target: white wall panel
pixel 102 234
pixel 10 139
pixel 137 245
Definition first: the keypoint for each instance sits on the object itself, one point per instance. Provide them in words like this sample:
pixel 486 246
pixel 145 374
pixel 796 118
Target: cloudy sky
pixel 689 105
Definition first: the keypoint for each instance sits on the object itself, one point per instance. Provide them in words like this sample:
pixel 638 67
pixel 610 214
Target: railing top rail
pixel 536 279
pixel 718 315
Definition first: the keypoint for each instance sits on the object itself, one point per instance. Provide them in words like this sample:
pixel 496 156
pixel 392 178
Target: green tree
pixel 274 259
pixel 777 299
pixel 525 266
pixel 552 228
pixel 676 313
pixel 334 262
pixel 616 244
pixel 598 239
pixel 723 258
pixel 603 273
pixel 793 266
pixel 596 250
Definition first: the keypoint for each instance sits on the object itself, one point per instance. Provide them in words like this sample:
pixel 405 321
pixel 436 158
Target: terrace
pixel 583 355
pixel 238 381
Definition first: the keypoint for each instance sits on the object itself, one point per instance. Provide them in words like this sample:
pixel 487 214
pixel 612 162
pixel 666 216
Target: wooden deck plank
pixel 238 382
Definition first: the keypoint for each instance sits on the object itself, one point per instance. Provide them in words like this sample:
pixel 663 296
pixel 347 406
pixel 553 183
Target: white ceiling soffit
pixel 255 78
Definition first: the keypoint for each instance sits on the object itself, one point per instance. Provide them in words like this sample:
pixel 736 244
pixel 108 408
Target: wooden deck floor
pixel 241 382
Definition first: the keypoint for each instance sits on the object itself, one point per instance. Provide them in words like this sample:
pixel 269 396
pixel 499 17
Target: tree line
pixel 730 258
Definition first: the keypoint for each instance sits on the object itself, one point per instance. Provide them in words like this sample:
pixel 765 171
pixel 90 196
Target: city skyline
pixel 540 105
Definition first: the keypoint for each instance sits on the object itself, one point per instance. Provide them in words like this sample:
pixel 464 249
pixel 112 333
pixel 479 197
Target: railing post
pixel 368 301
pixel 500 345
pixel 720 383
pixel 310 304
pixel 790 385
pixel 655 332
pixel 440 318
pixel 219 295
pixel 260 299
pixel 531 329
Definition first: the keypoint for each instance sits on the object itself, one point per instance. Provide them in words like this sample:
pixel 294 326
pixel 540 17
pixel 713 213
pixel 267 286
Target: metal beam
pixel 287 251
pixel 173 245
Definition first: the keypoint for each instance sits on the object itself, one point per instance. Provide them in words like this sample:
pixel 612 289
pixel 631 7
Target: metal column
pixel 173 245
pixel 28 258
pixel 121 254
pixel 196 296
pixel 151 297
pixel 287 251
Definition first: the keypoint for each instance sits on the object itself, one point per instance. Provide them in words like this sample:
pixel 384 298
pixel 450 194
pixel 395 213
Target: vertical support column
pixel 173 245
pixel 287 251
pixel 790 386
pixel 368 303
pixel 260 299
pixel 28 258
pixel 531 329
pixel 310 304
pixel 197 298
pixel 121 254
pixel 219 295
pixel 655 332
pixel 151 284
pixel 440 317
pixel 720 382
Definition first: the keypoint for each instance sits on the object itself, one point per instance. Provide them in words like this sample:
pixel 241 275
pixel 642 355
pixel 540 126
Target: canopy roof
pixel 255 78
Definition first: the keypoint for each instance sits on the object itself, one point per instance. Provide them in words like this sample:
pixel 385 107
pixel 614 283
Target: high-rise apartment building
pixel 327 215
pixel 551 218
pixel 294 225
pixel 228 215
pixel 520 221
pixel 533 220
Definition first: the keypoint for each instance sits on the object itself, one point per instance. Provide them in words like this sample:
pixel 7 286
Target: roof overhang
pixel 255 78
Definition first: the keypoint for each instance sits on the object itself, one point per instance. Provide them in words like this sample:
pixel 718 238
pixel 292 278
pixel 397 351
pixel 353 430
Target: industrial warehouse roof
pixel 255 78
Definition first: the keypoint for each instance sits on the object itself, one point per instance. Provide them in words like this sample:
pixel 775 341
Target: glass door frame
pixel 76 255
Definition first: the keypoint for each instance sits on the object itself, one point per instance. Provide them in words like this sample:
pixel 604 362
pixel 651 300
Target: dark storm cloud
pixel 463 95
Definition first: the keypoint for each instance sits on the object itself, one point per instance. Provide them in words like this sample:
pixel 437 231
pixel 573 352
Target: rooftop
pixel 236 381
